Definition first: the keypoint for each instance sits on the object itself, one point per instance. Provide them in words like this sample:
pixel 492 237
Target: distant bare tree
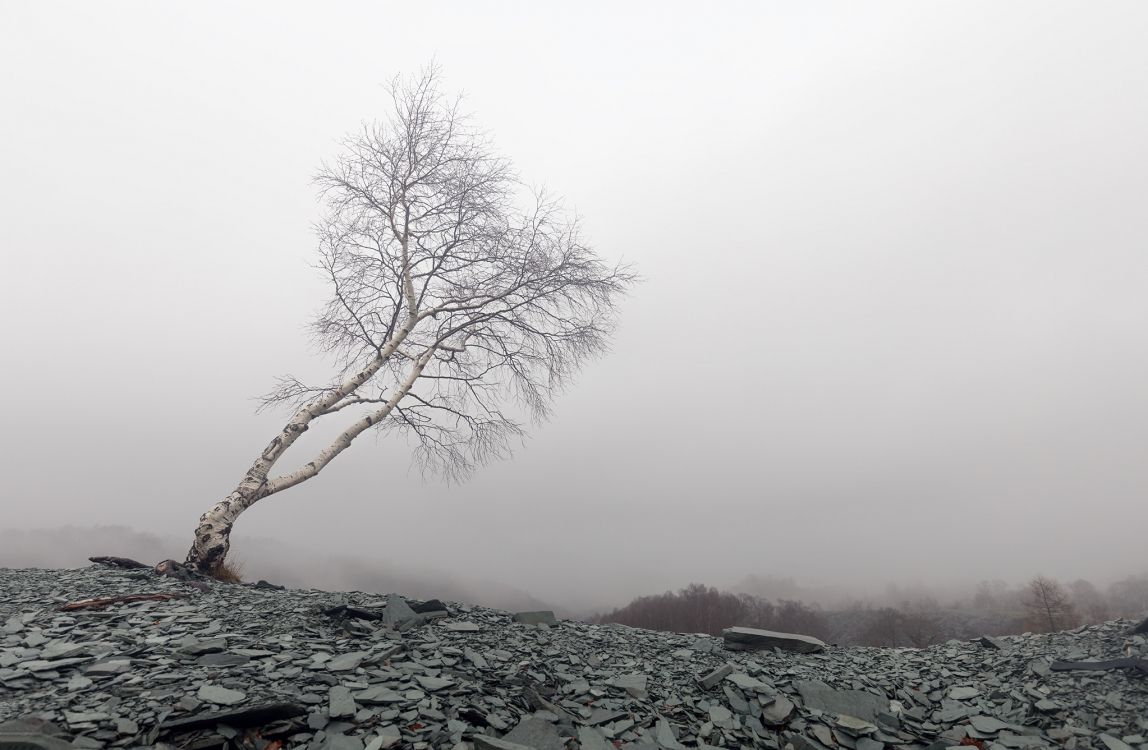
pixel 1088 602
pixel 1129 596
pixel 452 311
pixel 1047 602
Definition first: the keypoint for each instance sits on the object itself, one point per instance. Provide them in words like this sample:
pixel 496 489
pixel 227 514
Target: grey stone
pixel 483 742
pixel 433 684
pixel 209 646
pixel 541 617
pixel 62 650
pixel 665 737
pixel 340 703
pixel 745 682
pixel 855 726
pixel 856 703
pixel 346 662
pixel 218 694
pixel 398 613
pixel 111 666
pixel 634 684
pixel 461 627
pixel 987 724
pixel 752 639
pixel 777 713
pixel 1112 743
pixel 535 733
pixel 590 738
pixel 342 742
pixel 127 726
pixel 712 679
pixel 222 660
pixel 963 693
pixel 32 734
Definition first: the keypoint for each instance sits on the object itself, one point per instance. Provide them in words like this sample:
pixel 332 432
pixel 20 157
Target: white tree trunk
pixel 213 534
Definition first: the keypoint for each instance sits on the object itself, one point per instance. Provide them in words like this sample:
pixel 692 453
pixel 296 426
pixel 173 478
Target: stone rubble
pixel 260 667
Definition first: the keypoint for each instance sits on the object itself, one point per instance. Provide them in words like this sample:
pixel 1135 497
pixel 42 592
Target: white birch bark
pixel 213 534
pixel 440 281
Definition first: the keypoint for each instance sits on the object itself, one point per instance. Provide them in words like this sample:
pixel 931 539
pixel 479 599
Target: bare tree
pixel 455 315
pixel 1048 603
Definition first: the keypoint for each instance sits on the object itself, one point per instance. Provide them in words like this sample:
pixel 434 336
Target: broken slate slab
pixel 535 733
pixel 634 684
pixel 987 724
pixel 752 639
pixel 346 662
pixel 244 717
pixel 399 615
pixel 541 617
pixel 483 742
pixel 777 713
pixel 856 703
pixel 219 694
pixel 461 627
pixel 712 679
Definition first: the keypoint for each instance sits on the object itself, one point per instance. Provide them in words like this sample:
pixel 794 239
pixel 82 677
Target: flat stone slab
pixel 541 617
pixel 221 695
pixel 712 679
pixel 856 703
pixel 752 639
pixel 535 733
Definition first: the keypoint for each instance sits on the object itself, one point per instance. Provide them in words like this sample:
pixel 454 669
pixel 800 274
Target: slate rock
pixel 590 738
pixel 535 733
pixel 715 677
pixel 856 703
pixel 778 712
pixel 752 639
pixel 399 615
pixel 340 703
pixel 222 660
pixel 987 724
pixel 218 694
pixel 347 662
pixel 484 742
pixel 461 627
pixel 541 617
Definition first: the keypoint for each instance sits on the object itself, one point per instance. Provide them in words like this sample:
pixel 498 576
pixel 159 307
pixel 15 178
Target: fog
pixel 891 328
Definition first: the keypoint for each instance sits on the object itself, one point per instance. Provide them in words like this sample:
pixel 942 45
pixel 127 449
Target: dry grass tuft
pixel 228 571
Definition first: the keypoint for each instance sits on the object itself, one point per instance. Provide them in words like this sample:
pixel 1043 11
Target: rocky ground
pixel 264 668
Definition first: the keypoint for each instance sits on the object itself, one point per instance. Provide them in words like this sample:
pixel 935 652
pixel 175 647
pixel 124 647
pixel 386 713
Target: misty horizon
pixel 889 332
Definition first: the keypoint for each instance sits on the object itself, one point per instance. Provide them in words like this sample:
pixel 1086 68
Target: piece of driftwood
pixel 118 562
pixel 107 601
pixel 1126 663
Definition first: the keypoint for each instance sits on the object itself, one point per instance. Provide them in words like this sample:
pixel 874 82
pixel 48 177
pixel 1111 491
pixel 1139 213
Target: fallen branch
pixel 1128 663
pixel 105 601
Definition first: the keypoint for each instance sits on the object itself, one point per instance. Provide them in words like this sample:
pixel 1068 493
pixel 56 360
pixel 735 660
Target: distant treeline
pixel 1041 605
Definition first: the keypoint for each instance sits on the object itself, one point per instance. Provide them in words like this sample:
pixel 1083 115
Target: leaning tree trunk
pixel 213 534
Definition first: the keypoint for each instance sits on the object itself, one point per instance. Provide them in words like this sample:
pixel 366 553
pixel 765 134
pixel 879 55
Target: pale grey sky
pixel 892 326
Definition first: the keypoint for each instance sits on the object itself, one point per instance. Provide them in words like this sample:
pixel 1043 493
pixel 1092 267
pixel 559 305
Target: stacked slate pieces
pixel 263 668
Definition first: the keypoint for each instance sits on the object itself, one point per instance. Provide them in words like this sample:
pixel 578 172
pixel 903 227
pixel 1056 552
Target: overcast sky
pixel 892 328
